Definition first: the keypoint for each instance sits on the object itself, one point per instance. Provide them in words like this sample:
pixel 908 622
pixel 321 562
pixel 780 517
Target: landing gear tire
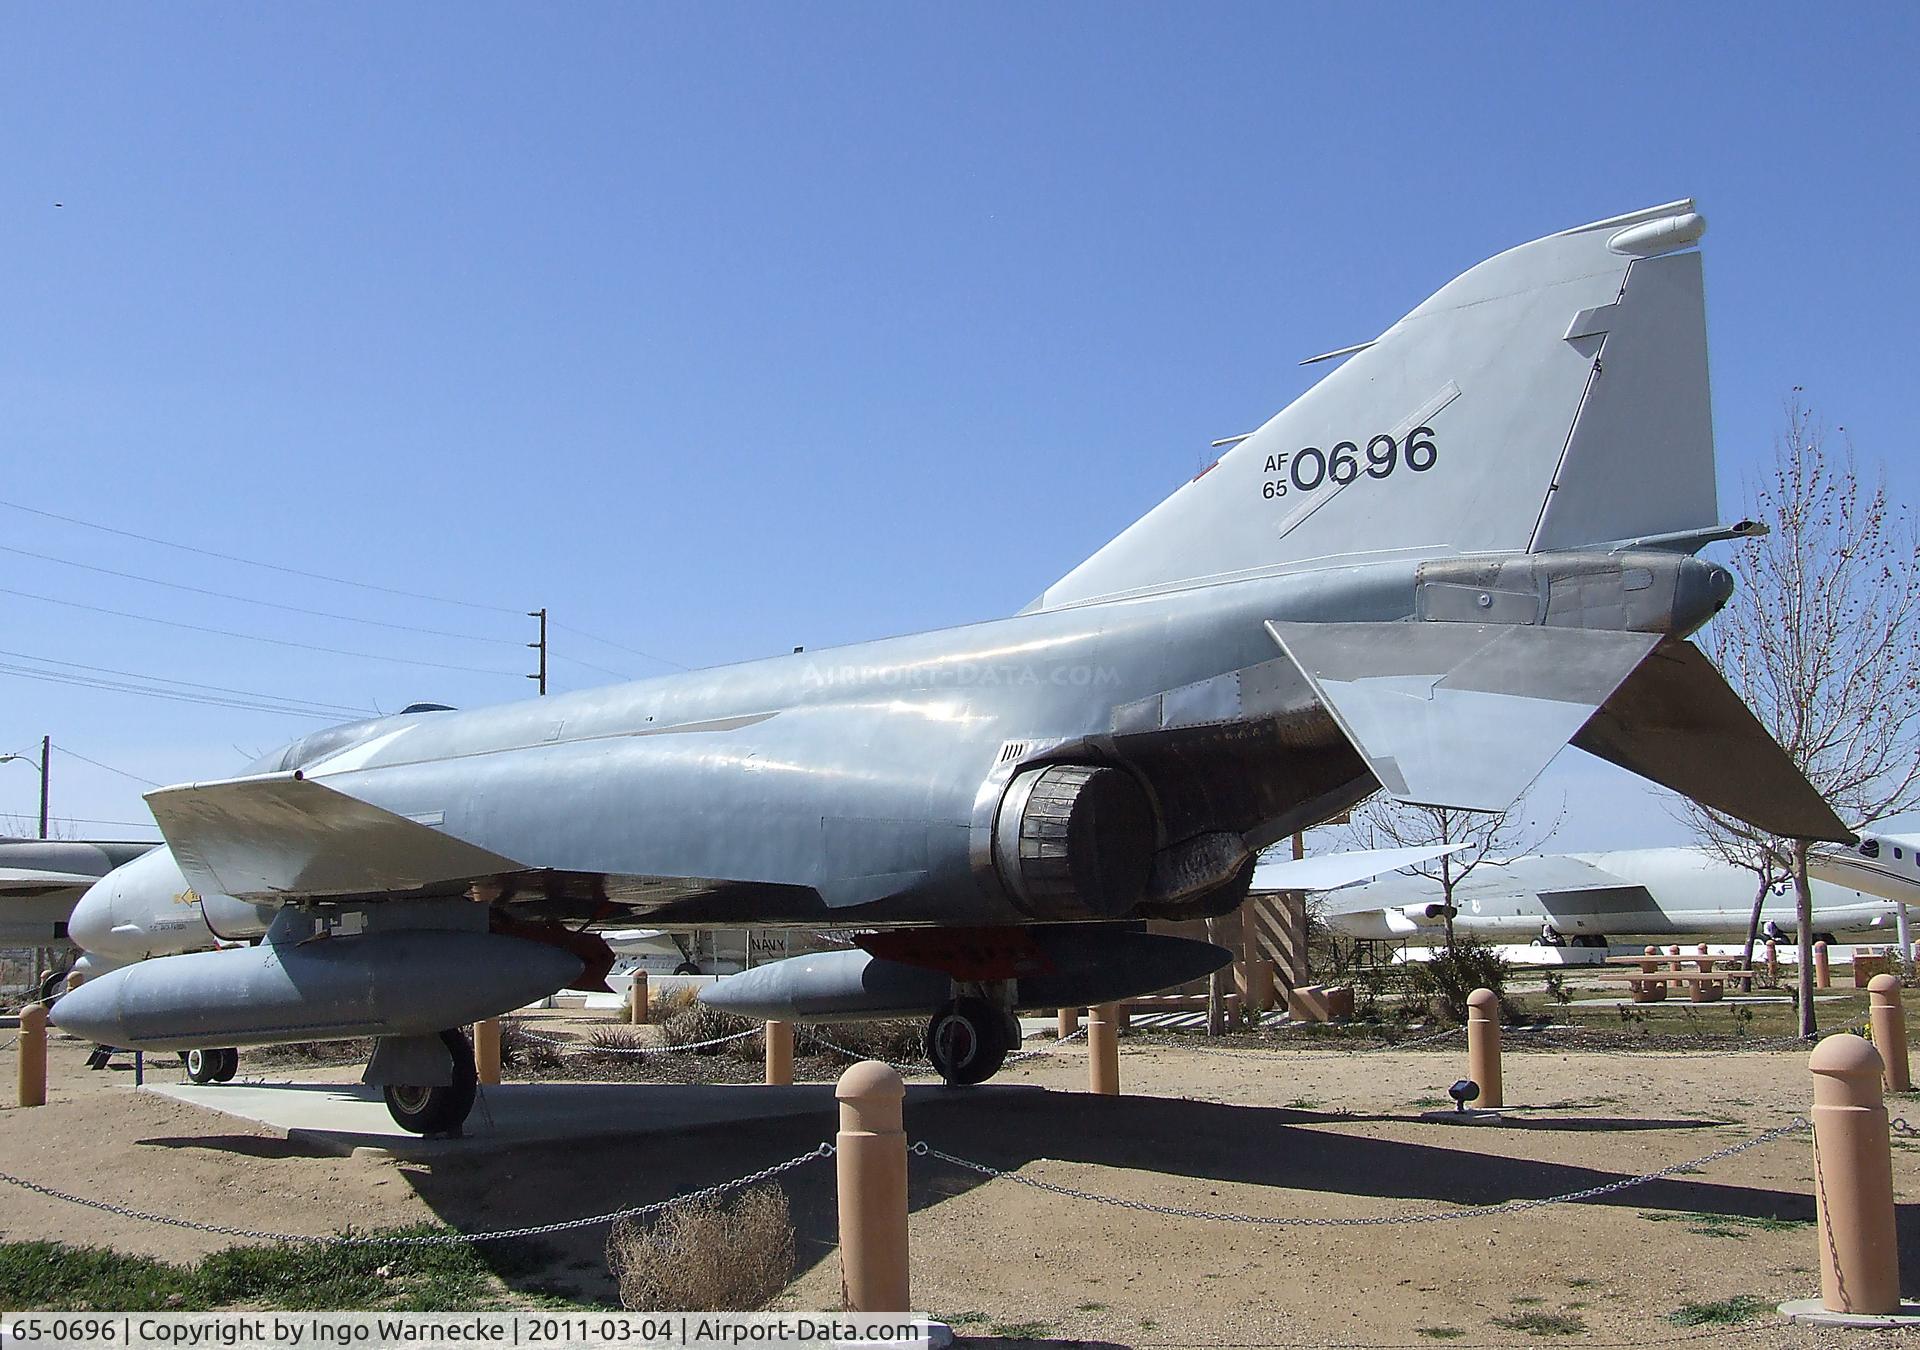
pixel 211 1066
pixel 686 968
pixel 1827 938
pixel 968 1039
pixel 437 1110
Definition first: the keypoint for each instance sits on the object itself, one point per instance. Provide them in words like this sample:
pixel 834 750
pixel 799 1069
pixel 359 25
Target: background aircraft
pixel 1465 547
pixel 1588 899
pixel 41 880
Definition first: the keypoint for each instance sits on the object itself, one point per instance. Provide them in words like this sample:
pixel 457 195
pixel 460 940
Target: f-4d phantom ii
pixel 1469 544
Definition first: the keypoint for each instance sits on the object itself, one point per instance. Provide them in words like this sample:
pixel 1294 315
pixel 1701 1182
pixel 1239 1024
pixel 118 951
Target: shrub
pixel 1440 987
pixel 619 1044
pixel 698 1022
pixel 519 1050
pixel 664 1005
pixel 897 1041
pixel 706 1255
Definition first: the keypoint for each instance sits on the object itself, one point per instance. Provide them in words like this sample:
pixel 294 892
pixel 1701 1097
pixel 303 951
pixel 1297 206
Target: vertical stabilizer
pixel 1552 397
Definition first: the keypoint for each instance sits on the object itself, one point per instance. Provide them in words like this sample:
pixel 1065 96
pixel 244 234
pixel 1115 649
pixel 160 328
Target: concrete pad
pixel 1815 1313
pixel 342 1118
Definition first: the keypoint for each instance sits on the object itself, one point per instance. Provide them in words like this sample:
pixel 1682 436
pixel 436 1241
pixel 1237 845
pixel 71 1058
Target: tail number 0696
pixel 1308 468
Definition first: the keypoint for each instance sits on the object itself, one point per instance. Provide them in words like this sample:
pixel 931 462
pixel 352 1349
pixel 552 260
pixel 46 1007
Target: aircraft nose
pixel 91 925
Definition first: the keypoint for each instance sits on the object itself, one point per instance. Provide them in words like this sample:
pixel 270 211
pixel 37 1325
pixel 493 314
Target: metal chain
pixel 820 1151
pixel 586 1048
pixel 1795 1126
pixel 1899 1125
pixel 1246 1052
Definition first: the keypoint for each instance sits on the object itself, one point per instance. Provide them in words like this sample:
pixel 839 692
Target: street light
pixel 46 753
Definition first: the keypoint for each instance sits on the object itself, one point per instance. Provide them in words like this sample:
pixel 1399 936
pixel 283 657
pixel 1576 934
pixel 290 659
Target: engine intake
pixel 1074 841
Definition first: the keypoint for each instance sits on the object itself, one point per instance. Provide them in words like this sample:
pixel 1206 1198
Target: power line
pixel 89 820
pixel 617 674
pixel 250 600
pixel 255 562
pixel 75 754
pixel 331 709
pixel 172 696
pixel 605 642
pixel 254 637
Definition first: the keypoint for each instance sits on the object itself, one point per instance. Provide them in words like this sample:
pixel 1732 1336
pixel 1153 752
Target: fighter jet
pixel 1589 899
pixel 41 880
pixel 1468 544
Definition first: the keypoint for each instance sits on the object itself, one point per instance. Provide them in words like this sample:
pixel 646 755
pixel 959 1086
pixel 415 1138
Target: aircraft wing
pixel 41 881
pixel 275 837
pixel 280 835
pixel 1331 871
pixel 1460 714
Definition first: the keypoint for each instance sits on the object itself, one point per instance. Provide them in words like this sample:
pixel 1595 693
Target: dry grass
pixel 898 1041
pixel 521 1052
pixel 661 1007
pixel 706 1255
pixel 697 1022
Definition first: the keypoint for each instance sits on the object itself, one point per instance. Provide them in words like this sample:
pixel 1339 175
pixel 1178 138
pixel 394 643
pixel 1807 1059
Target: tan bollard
pixel 870 1159
pixel 637 999
pixel 33 1055
pixel 1853 1179
pixel 1483 1046
pixel 75 978
pixel 1069 1023
pixel 1103 1051
pixel 1773 962
pixel 1889 1021
pixel 1822 971
pixel 486 1051
pixel 779 1037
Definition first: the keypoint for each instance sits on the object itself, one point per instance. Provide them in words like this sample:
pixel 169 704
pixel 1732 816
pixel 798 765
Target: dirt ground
pixel 1277 1130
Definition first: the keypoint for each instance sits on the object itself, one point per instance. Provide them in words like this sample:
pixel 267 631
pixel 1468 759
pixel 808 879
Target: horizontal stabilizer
pixel 1677 722
pixel 1330 871
pixel 1460 714
pixel 282 835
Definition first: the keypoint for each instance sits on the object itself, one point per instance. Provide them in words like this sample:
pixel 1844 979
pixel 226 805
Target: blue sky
pixel 723 328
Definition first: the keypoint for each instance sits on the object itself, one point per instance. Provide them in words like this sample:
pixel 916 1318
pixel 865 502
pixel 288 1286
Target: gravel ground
pixel 1267 1127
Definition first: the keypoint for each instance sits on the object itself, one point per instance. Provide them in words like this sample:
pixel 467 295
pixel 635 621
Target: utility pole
pixel 540 646
pixel 46 755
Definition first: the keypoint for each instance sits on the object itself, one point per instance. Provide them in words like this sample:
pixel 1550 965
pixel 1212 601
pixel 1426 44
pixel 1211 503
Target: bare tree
pixel 1823 641
pixel 1386 823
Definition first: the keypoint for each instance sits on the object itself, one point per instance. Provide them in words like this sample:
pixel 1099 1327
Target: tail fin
pixel 1552 397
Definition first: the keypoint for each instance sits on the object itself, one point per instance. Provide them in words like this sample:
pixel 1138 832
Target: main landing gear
pixel 211 1066
pixel 437 1110
pixel 968 1039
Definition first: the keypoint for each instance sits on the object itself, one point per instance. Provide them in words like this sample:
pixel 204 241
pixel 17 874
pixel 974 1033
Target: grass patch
pixel 294 1276
pixel 1543 1323
pixel 1090 1307
pixel 1440 1333
pixel 1580 1282
pixel 1303 1104
pixel 1720 1312
pixel 1527 1301
pixel 1728 1225
pixel 1021 1331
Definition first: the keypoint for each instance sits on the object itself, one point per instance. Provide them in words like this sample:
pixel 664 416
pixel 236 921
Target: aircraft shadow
pixel 1261 1146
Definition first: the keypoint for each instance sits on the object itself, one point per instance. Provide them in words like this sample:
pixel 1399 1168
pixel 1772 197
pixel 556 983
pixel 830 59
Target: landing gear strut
pixel 211 1066
pixel 968 1040
pixel 437 1110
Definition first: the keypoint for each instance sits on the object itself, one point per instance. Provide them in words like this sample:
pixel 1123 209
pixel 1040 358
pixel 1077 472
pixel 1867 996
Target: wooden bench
pixel 1706 977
